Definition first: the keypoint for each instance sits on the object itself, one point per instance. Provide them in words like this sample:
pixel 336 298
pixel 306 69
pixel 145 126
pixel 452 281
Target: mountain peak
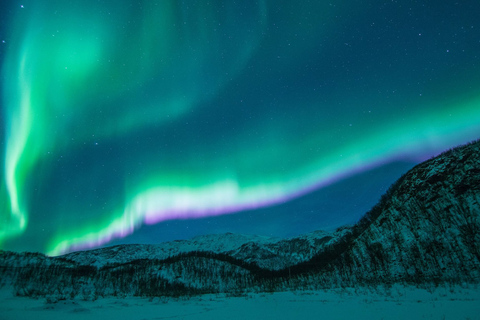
pixel 425 229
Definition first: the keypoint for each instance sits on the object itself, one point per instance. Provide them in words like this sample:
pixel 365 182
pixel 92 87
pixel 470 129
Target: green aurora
pixel 123 113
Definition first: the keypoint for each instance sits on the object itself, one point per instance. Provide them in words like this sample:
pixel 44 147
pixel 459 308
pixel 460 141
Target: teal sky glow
pixel 120 117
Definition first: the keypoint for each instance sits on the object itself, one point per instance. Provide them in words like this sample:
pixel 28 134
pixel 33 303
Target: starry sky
pixel 147 121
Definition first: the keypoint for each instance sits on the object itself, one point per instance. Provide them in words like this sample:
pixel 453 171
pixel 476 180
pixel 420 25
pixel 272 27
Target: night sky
pixel 148 121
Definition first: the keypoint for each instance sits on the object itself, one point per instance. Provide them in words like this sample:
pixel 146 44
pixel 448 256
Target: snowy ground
pixel 399 303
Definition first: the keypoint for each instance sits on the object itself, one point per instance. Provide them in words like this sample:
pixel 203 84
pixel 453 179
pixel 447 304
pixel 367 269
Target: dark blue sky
pixel 150 121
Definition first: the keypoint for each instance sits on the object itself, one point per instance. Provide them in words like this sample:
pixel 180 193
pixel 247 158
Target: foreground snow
pixel 397 303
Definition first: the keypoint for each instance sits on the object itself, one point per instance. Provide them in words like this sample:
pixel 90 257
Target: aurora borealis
pixel 123 119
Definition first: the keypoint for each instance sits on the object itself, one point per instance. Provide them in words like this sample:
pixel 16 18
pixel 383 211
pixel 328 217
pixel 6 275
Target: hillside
pixel 424 230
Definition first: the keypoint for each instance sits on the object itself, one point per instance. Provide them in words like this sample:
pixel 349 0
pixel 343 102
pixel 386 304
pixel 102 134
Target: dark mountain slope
pixel 424 230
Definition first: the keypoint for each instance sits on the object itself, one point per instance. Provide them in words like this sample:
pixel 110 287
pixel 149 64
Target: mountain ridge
pixel 424 229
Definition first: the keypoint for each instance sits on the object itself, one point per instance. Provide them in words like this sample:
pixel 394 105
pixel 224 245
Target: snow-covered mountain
pixel 217 243
pixel 269 253
pixel 424 230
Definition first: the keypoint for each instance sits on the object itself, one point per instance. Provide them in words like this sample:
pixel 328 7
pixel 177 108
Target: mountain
pixel 425 230
pixel 268 253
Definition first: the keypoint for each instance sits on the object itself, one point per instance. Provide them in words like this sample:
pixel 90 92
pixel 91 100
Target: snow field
pixel 395 303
